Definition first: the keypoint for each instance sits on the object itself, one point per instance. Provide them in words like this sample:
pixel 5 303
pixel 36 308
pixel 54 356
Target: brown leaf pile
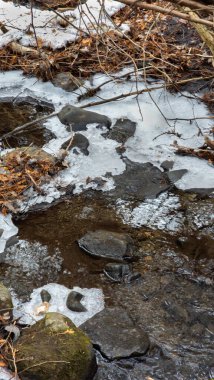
pixel 169 48
pixel 20 170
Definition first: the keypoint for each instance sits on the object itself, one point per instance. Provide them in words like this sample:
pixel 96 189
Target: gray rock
pixel 64 351
pixel 67 81
pixel 167 165
pixel 201 191
pixel 176 312
pixel 79 141
pixel 140 181
pixel 175 175
pixel 73 302
pixel 6 304
pixel 113 331
pixel 78 118
pixel 45 296
pixel 106 244
pixel 120 273
pixel 110 371
pixel 122 130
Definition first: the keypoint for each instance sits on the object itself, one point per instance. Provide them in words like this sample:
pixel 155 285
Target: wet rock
pixel 175 311
pixel 45 296
pixel 120 273
pixel 201 191
pixel 113 331
pixel 73 302
pixel 175 175
pixel 111 371
pixel 106 244
pixel 140 181
pixel 122 130
pixel 67 81
pixel 78 118
pixel 167 165
pixel 78 141
pixel 6 304
pixel 56 340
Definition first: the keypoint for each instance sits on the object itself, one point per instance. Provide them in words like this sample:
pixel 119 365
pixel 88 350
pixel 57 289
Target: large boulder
pixel 77 118
pixel 54 348
pixel 116 335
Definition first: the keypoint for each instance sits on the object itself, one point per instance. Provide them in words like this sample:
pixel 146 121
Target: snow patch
pixel 93 300
pixel 84 18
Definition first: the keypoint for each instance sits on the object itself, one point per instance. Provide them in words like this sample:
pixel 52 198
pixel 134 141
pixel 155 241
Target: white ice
pixel 161 213
pixel 93 300
pixel 7 230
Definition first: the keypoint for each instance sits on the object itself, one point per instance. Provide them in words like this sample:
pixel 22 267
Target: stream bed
pixel 167 290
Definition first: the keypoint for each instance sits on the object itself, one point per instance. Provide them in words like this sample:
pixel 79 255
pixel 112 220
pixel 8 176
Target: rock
pixel 111 371
pixel 73 302
pixel 176 312
pixel 67 81
pixel 78 141
pixel 108 245
pixel 140 181
pixel 167 165
pixel 78 118
pixel 113 331
pixel 201 191
pixel 54 348
pixel 45 296
pixel 120 273
pixel 6 304
pixel 122 130
pixel 175 175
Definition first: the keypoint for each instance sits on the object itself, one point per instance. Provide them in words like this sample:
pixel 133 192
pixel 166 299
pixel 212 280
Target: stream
pixel 170 296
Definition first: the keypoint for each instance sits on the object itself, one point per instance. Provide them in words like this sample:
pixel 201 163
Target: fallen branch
pixel 167 11
pixel 194 4
pixel 23 50
pixel 203 32
pixel 20 129
pixel 206 154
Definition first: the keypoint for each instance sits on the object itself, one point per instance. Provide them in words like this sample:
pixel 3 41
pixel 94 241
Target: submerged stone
pixel 79 141
pixel 106 244
pixel 120 273
pixel 73 302
pixel 116 335
pixel 78 118
pixel 54 348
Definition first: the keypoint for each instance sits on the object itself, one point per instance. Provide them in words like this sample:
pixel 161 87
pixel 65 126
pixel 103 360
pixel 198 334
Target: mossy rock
pixel 6 304
pixel 54 348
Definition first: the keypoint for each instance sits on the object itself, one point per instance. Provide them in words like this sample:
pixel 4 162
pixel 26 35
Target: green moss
pixel 54 348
